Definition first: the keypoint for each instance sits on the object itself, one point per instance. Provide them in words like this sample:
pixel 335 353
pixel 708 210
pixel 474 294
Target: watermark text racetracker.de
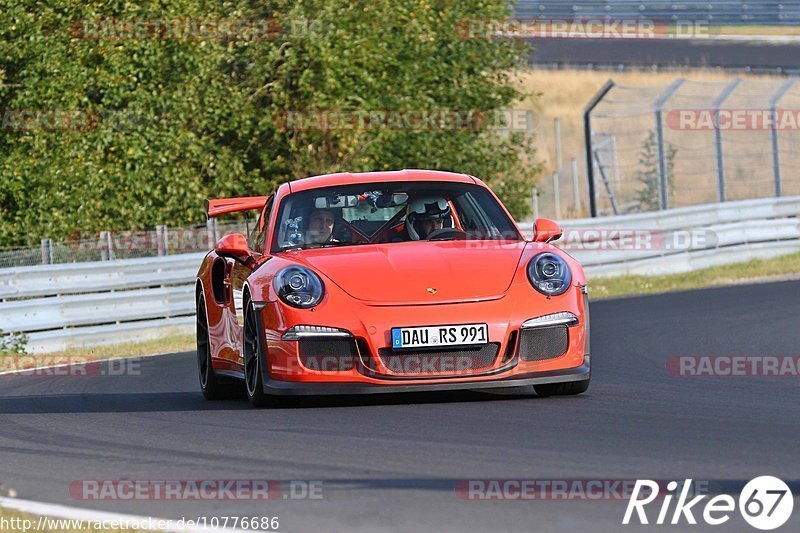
pixel 746 119
pixel 178 29
pixel 637 239
pixel 47 120
pixel 195 489
pixel 198 29
pixel 68 366
pixel 582 28
pixel 505 120
pixel 734 366
pixel 540 489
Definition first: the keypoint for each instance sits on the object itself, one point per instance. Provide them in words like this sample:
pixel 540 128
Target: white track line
pixel 51 510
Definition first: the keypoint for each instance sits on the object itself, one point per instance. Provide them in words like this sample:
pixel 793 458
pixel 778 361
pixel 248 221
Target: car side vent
pixel 218 281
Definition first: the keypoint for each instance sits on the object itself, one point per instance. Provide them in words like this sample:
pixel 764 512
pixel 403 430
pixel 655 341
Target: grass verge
pixel 754 30
pixel 755 271
pixel 169 344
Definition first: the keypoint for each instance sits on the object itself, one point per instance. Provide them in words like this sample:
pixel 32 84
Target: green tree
pixel 181 120
pixel 649 194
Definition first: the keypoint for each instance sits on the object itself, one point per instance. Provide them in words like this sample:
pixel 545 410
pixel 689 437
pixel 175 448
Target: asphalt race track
pixel 391 463
pixel 756 55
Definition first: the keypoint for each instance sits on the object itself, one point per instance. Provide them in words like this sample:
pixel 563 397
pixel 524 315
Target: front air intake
pixel 540 344
pixel 328 354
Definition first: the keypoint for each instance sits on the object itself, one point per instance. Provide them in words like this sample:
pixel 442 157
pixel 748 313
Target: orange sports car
pixel 409 280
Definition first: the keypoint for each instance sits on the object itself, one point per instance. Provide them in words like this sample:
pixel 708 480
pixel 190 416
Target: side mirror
pixel 546 230
pixel 234 246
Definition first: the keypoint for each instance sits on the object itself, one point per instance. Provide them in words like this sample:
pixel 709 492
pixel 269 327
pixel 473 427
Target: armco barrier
pixel 733 12
pixel 69 305
pixel 105 302
pixel 727 233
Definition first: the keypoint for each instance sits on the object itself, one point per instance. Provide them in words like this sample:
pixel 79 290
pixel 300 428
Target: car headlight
pixel 299 287
pixel 549 274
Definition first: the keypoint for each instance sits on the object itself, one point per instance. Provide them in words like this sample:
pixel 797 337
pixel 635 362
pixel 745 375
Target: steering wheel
pixel 447 234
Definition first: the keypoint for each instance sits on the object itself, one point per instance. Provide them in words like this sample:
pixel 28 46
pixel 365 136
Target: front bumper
pixel 370 328
pixel 295 388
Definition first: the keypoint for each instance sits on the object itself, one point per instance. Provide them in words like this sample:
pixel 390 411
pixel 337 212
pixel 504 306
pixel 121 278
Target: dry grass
pixel 755 271
pixel 757 30
pixel 164 345
pixel 169 344
pixel 563 94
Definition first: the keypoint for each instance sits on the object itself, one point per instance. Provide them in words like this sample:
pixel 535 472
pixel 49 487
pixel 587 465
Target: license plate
pixel 427 336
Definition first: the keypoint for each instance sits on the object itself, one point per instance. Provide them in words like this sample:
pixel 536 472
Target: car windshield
pixel 390 212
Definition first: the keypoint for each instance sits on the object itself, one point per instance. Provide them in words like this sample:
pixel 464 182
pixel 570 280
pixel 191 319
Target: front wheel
pixel 568 388
pixel 254 358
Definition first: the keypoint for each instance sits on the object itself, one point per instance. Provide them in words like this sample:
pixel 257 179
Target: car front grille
pixel 540 344
pixel 332 355
pixel 459 360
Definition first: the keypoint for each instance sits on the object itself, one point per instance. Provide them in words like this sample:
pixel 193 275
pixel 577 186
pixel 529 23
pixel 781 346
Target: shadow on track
pixel 193 401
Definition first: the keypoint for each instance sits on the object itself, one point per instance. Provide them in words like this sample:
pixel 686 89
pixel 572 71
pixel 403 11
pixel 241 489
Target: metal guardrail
pixel 77 278
pixel 61 306
pixel 102 302
pixel 683 239
pixel 733 12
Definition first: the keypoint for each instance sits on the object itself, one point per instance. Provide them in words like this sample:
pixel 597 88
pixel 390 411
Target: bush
pixel 13 343
pixel 177 120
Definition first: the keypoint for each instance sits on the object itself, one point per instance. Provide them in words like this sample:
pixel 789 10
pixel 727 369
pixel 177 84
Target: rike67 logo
pixel 765 503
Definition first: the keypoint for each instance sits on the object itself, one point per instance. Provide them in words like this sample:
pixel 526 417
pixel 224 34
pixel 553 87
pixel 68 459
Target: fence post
pixel 776 148
pixel 106 253
pixel 575 184
pixel 47 252
pixel 211 228
pixel 602 168
pixel 535 202
pixel 529 125
pixel 557 123
pixel 587 139
pixel 717 106
pixel 161 240
pixel 663 191
pixel 557 195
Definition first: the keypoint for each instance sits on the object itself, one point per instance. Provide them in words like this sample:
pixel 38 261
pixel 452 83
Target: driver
pixel 426 214
pixel 320 226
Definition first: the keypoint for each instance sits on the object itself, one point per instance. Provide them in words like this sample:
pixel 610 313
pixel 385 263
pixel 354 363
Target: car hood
pixel 419 272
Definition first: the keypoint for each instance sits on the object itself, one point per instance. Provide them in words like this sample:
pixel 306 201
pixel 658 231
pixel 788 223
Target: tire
pixel 212 387
pixel 568 388
pixel 254 359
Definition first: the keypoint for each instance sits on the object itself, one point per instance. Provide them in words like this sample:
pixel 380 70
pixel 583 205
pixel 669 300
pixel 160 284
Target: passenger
pixel 425 215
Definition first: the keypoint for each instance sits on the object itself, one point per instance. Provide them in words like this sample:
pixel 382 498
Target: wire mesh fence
pixel 129 244
pixel 683 143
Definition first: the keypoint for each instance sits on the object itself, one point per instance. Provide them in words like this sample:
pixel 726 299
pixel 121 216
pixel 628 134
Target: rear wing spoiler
pixel 221 206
